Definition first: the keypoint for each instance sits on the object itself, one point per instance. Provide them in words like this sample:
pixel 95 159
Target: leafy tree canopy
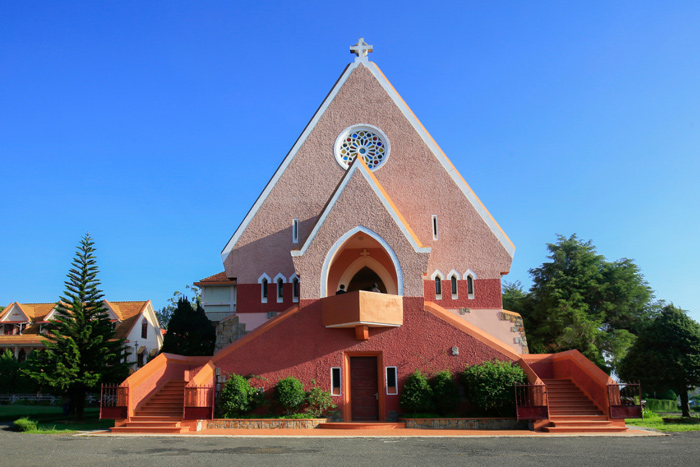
pixel 579 300
pixel 80 350
pixel 189 331
pixel 666 354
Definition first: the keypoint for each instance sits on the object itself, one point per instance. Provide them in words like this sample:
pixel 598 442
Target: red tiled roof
pixel 127 312
pixel 219 278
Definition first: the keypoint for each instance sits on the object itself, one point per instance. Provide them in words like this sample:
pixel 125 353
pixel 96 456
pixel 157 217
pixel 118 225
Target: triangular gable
pixel 359 166
pixel 15 314
pixel 417 126
pixel 113 311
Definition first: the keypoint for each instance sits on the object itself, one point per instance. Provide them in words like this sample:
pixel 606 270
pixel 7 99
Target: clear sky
pixel 155 126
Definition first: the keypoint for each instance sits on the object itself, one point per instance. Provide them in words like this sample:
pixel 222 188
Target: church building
pixel 367 256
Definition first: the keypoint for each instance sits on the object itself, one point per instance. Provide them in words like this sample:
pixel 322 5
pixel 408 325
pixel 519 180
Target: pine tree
pixel 81 351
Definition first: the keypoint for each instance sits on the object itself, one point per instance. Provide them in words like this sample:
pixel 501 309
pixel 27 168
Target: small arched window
pixel 280 290
pixel 263 285
pixel 295 289
pixel 470 286
pixel 438 287
pixel 453 283
pixel 144 329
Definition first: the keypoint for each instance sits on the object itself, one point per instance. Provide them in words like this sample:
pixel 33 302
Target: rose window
pixel 368 142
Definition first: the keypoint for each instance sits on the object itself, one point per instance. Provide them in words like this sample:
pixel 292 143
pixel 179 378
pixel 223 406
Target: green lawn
pixel 655 421
pixel 51 420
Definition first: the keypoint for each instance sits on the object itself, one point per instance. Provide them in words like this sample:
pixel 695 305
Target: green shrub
pixel 489 386
pixel 289 393
pixel 658 405
pixel 319 402
pixel 24 424
pixel 238 397
pixel 667 395
pixel 445 392
pixel 416 395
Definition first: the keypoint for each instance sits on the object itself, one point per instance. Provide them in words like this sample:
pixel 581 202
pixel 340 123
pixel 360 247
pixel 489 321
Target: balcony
pixel 362 310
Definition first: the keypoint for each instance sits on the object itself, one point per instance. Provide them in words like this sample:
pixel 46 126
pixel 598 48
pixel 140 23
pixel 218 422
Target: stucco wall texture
pixel 359 205
pixel 423 342
pixel 412 176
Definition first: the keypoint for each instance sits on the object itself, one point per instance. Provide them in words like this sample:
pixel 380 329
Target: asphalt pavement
pixel 19 449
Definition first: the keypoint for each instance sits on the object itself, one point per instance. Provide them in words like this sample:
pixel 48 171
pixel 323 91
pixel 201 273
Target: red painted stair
pixel 161 413
pixel 571 411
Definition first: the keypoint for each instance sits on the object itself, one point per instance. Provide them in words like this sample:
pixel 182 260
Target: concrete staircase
pixel 161 413
pixel 571 411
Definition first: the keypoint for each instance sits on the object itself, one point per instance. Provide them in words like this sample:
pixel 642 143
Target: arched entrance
pixel 358 260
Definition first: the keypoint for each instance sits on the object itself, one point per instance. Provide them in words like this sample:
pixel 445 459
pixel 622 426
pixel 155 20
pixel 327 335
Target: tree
pixel 579 300
pixel 189 332
pixel 12 378
pixel 166 313
pixel 666 355
pixel 81 351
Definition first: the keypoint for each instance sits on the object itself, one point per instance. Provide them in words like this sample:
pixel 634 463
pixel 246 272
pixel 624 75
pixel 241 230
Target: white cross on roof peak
pixel 361 49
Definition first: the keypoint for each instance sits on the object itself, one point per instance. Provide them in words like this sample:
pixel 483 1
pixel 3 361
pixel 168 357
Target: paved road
pixel 19 449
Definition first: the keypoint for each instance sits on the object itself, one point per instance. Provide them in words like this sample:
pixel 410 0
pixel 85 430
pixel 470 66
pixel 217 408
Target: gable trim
pixel 442 158
pixel 9 312
pixel 360 165
pixel 288 159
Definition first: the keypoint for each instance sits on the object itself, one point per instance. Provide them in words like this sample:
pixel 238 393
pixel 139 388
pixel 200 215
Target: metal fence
pixel 531 401
pixel 114 401
pixel 625 400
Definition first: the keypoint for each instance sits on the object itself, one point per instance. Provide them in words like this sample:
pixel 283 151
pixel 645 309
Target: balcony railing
pixel 531 402
pixel 360 308
pixel 625 400
pixel 114 401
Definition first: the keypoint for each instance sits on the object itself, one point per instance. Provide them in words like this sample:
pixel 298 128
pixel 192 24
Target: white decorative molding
pixel 439 274
pixel 454 273
pixel 375 266
pixel 263 299
pixel 469 273
pixel 341 241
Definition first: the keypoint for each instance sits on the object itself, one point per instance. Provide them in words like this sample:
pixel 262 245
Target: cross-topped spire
pixel 361 49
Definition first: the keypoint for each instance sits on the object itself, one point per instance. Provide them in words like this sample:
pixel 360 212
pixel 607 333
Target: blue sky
pixel 155 126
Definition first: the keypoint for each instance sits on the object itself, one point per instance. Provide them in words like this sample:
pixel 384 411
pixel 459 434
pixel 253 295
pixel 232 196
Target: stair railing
pixel 531 402
pixel 114 401
pixel 625 400
pixel 198 403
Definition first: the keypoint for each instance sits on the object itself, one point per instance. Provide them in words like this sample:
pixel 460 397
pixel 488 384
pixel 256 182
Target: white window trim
pixel 340 385
pixel 292 278
pixel 263 299
pixel 434 226
pixel 295 230
pixel 396 378
pixel 435 275
pixel 471 274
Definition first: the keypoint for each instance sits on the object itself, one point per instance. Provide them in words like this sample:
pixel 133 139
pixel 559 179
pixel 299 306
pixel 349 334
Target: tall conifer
pixel 81 351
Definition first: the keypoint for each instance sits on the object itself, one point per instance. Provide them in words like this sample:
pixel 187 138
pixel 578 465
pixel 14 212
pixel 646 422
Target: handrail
pixel 114 401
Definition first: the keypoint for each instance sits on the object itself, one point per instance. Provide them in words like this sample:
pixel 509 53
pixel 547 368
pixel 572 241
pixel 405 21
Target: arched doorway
pixel 358 260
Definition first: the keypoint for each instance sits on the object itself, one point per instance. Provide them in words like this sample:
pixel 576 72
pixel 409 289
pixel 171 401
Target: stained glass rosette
pixel 366 143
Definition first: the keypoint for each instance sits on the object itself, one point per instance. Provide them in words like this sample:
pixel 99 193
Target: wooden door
pixel 364 388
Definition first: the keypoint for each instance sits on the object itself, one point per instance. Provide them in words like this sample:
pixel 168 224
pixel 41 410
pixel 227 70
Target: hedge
pixel 662 405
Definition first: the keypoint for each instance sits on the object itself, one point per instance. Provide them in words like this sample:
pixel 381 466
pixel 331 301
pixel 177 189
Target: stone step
pixel 584 429
pixel 127 429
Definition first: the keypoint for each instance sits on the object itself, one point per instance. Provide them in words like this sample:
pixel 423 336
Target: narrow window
pixel 435 227
pixel 280 290
pixel 438 287
pixel 335 381
pixel 392 387
pixel 263 284
pixel 295 230
pixel 453 281
pixel 144 329
pixel 140 359
pixel 470 286
pixel 295 289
